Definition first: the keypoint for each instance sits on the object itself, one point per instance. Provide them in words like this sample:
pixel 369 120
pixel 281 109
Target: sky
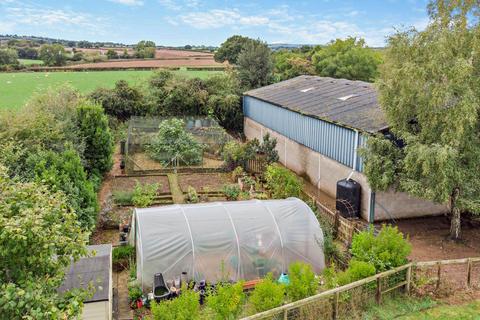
pixel 210 22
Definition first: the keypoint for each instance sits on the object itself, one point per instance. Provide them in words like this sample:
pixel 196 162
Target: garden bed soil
pixel 204 181
pixel 102 236
pixel 127 183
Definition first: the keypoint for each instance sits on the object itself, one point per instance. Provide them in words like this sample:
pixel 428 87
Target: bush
pixel 231 191
pixel 192 195
pixel 8 57
pixel 93 127
pixel 267 147
pixel 64 172
pixel 122 102
pixel 185 307
pixel 227 301
pixel 238 172
pixel 267 295
pixel 282 182
pixel 122 253
pixel 144 195
pixel 302 281
pixel 134 292
pixel 173 142
pixel 123 198
pixel 386 251
pixel 356 270
pixel 236 154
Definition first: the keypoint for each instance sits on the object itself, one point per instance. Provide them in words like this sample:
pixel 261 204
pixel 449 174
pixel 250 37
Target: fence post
pixel 335 305
pixel 285 314
pixel 409 280
pixel 439 273
pixel 378 296
pixel 469 273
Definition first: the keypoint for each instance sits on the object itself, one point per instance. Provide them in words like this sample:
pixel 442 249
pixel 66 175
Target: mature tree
pixel 145 49
pixel 93 127
pixel 349 59
pixel 255 65
pixel 53 54
pixel 8 57
pixel 289 64
pixel 430 90
pixel 112 54
pixel 231 48
pixel 39 238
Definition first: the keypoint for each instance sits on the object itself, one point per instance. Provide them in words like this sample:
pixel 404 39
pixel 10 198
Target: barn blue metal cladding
pixel 330 116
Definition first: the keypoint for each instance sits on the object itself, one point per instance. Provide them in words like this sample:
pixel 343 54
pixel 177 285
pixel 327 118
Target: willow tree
pixel 429 88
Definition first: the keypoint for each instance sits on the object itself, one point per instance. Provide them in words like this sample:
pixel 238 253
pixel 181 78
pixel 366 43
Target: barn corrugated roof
pixel 94 270
pixel 349 103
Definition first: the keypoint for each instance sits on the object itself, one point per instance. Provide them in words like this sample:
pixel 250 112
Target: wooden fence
pixel 350 301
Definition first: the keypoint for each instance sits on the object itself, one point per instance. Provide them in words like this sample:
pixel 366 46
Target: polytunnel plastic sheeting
pixel 234 240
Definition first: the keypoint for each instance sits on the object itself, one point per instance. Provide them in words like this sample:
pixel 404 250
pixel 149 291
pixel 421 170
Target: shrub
pixel 238 172
pixel 356 270
pixel 123 198
pixel 174 142
pixel 302 281
pixel 282 182
pixel 122 102
pixel 231 191
pixel 185 307
pixel 267 147
pixel 64 172
pixel 267 295
pixel 134 292
pixel 387 250
pixel 227 301
pixel 192 195
pixel 248 182
pixel 122 253
pixel 93 127
pixel 144 195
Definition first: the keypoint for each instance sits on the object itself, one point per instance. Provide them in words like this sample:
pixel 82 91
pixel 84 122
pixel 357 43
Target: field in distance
pixel 17 88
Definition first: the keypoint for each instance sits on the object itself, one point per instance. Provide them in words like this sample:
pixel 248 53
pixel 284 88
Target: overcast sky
pixel 210 22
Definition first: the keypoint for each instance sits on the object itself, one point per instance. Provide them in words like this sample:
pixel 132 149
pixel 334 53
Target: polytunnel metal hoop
pixel 236 238
pixel 279 233
pixel 191 238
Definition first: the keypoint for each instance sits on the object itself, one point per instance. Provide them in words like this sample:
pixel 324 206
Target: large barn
pixel 320 123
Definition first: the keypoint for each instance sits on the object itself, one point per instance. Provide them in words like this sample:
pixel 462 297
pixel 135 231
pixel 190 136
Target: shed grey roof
pixel 95 270
pixel 349 103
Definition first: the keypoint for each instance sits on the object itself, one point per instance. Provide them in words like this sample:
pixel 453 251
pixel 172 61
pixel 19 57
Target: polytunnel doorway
pixel 238 240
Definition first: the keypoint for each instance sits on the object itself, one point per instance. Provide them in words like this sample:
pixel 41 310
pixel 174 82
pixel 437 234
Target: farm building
pixel 320 123
pixel 218 240
pixel 97 271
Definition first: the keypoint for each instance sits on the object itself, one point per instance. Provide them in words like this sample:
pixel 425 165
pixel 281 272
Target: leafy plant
pixel 226 301
pixel 282 182
pixel 122 253
pixel 123 197
pixel 267 295
pixel 231 191
pixel 144 195
pixel 356 270
pixel 238 172
pixel 267 147
pixel 174 143
pixel 192 195
pixel 185 307
pixel 303 282
pixel 248 182
pixel 134 292
pixel 389 249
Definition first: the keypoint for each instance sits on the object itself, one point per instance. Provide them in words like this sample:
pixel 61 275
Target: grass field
pixel 29 62
pixel 17 88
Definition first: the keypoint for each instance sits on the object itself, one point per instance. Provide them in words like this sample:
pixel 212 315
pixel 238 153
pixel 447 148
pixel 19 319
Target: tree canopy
pixel 255 65
pixel 348 59
pixel 430 91
pixel 53 54
pixel 231 48
pixel 145 49
pixel 39 238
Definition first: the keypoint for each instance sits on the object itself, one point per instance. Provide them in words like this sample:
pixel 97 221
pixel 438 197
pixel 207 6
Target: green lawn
pixel 422 309
pixel 17 88
pixel 29 62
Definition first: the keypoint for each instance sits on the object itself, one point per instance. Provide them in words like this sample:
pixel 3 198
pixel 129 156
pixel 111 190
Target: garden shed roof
pixel 95 269
pixel 348 103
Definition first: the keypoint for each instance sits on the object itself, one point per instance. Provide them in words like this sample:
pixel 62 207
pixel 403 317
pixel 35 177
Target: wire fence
pixel 350 301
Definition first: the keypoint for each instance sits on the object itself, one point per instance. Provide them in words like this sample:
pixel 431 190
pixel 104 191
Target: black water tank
pixel 348 198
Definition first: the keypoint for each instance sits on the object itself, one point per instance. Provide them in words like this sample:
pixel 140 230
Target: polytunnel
pixel 225 240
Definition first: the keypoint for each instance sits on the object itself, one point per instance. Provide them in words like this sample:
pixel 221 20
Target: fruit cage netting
pixel 142 132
